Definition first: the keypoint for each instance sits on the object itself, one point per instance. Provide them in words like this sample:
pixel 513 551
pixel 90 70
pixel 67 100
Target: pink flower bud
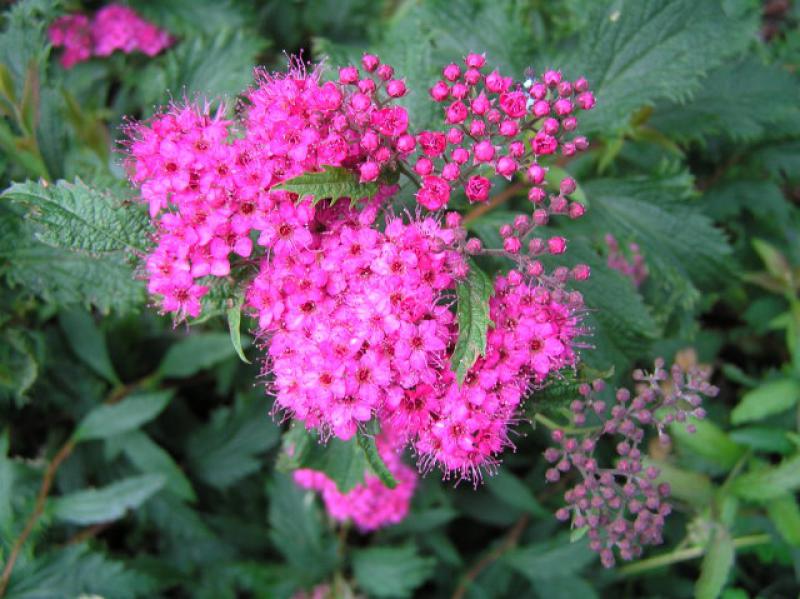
pixel 396 88
pixel 370 141
pixel 460 156
pixel 424 166
pixel 475 61
pixel 360 102
pixel 440 91
pixel 451 72
pixel 513 104
pixel 536 174
pixel 541 108
pixel 480 104
pixel 551 78
pixel 509 128
pixel 455 136
pixel 506 166
pixel 385 72
pixel 472 76
pixel 550 126
pixel 450 171
pixel 494 82
pixel 483 151
pixel 581 85
pixel 568 149
pixel 477 128
pixel 564 89
pixel 433 143
pixel 477 188
pixel 473 245
pixel 512 245
pixel 576 210
pixel 535 269
pixel 543 144
pixel 348 75
pixel 382 154
pixel 536 246
pixel 366 86
pixel 538 91
pixel 406 144
pixel 581 272
pixel 540 217
pixel 557 245
pixel 505 230
pixel 516 149
pixel 459 91
pixel 570 123
pixel 452 220
pixel 370 62
pixel 562 106
pixel 493 116
pixel 567 185
pixel 434 193
pixel 369 172
pixel 456 113
pixel 521 222
pixel 586 100
pixel 581 143
pixel 536 195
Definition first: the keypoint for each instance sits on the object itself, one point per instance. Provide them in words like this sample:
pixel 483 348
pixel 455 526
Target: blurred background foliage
pixel 138 459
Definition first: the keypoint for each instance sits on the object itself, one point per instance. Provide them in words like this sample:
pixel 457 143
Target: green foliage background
pixel 156 449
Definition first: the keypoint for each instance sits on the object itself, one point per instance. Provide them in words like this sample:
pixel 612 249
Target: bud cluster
pixel 635 268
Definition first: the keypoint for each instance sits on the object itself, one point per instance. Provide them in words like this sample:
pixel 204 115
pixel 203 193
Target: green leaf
pixel 6 487
pixel 88 342
pixel 19 366
pixel 108 420
pixel 762 439
pixel 785 515
pixel 391 571
pixel 686 485
pixel 76 217
pixel 217 65
pixel 297 532
pixel 769 482
pixel 507 487
pixel 711 110
pixel 149 457
pixel 344 462
pixel 708 441
pixel 94 506
pixel 194 353
pixel 772 397
pixel 367 444
pixel 334 183
pixel 192 17
pixel 234 314
pixel 550 560
pixel 229 447
pixel 636 52
pixel 569 587
pixel 473 320
pixel 716 565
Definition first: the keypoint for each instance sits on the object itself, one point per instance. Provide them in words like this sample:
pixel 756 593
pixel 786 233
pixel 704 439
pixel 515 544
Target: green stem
pixel 686 554
pixel 402 168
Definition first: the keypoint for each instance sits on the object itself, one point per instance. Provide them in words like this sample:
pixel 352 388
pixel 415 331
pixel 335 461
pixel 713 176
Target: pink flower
pixel 434 193
pixel 477 188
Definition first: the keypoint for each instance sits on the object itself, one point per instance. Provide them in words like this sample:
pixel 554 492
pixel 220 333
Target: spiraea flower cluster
pixel 634 268
pixel 624 507
pixel 114 27
pixel 369 505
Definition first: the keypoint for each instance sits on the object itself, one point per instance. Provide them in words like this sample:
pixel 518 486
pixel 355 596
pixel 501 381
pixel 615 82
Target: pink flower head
pixel 434 193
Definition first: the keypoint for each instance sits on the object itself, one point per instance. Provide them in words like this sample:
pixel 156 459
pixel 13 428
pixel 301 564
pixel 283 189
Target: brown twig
pixel 88 533
pixel 44 490
pixel 511 540
pixel 500 198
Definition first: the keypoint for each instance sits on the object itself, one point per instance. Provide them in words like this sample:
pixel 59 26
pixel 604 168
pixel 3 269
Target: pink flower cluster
pixel 624 507
pixel 490 117
pixel 114 27
pixel 209 181
pixel 369 505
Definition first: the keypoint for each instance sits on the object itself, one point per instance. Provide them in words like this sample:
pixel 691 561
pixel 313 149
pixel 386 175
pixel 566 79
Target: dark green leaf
pixel 234 314
pixel 194 353
pixel 473 320
pixel 93 506
pixel 507 487
pixel 550 560
pixel 149 457
pixel 391 571
pixel 334 183
pixel 108 420
pixel 88 342
pixel 367 444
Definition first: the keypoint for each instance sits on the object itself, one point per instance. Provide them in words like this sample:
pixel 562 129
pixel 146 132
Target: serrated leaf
pixel 769 482
pixel 194 353
pixel 334 183
pixel 716 565
pixel 730 102
pixel 76 217
pixel 149 457
pixel 635 52
pixel 473 320
pixel 93 506
pixel 367 444
pixel 234 315
pixel 112 419
pixel 228 448
pixel 391 571
pixel 297 531
pixel 220 64
pixel 88 342
pixel 772 397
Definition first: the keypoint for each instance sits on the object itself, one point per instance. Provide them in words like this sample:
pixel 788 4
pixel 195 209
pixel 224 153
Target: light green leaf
pixel 708 441
pixel 785 515
pixel 194 353
pixel 93 506
pixel 635 52
pixel 108 420
pixel 473 320
pixel 149 457
pixel 391 571
pixel 88 342
pixel 716 565
pixel 762 439
pixel 769 482
pixel 234 314
pixel 772 397
pixel 685 485
pixel 334 183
